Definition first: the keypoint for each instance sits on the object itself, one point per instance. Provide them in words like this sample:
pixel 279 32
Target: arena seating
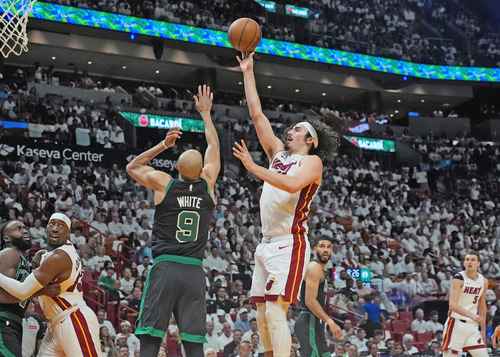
pixel 434 32
pixel 408 225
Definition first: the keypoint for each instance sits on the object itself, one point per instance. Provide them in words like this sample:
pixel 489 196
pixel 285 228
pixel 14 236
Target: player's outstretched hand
pixel 203 101
pixel 335 330
pixel 171 137
pixel 246 62
pixel 240 151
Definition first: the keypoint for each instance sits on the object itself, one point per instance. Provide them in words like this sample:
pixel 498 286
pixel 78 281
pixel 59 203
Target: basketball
pixel 244 34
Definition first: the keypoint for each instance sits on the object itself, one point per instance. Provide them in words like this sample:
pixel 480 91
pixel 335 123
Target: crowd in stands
pixel 435 32
pixel 410 226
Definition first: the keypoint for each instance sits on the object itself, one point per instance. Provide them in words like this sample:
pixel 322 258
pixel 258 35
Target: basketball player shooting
pixel 310 326
pixel 465 329
pixel 184 206
pixel 290 184
pixel 73 329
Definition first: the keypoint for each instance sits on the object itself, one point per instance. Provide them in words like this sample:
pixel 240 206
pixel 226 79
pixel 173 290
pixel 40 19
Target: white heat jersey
pixel 281 212
pixel 71 293
pixel 470 294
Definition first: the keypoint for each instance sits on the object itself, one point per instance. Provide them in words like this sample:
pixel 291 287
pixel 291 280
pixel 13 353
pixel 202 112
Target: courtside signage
pixel 143 120
pixel 372 144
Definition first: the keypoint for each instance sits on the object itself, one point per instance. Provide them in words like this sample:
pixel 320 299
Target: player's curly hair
pixel 328 137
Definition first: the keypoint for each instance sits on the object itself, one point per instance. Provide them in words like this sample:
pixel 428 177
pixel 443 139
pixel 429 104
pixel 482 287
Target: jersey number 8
pixel 187 226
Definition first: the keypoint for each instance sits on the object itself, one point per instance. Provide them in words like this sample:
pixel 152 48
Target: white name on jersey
pixel 189 201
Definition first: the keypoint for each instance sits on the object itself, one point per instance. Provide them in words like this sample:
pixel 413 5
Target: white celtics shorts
pixel 461 335
pixel 280 266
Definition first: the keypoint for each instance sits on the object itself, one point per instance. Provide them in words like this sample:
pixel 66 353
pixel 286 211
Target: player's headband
pixel 311 131
pixel 61 217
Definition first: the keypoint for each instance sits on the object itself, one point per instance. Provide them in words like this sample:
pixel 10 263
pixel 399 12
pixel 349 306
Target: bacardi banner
pixel 13 149
pixel 164 122
pixel 372 144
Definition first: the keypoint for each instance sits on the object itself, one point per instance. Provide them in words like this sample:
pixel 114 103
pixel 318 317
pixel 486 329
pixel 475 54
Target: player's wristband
pixel 164 144
pixel 20 290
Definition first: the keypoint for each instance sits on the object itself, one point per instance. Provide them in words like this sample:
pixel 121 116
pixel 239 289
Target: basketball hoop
pixel 13 21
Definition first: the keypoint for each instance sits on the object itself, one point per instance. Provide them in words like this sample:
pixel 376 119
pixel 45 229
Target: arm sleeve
pixel 20 290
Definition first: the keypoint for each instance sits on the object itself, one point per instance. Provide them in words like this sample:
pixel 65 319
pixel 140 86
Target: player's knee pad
pixel 265 337
pixel 483 352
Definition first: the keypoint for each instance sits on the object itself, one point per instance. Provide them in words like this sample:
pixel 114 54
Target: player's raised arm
pixel 310 172
pixel 270 143
pixel 457 285
pixel 211 167
pixel 139 170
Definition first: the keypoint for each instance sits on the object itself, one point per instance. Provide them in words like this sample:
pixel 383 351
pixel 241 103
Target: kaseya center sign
pixel 15 149
pixel 145 120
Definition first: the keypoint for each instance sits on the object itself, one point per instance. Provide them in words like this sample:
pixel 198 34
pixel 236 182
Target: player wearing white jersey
pixel 290 184
pixel 73 329
pixel 465 329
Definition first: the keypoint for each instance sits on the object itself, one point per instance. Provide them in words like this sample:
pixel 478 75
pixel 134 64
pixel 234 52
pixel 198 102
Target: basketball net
pixel 13 22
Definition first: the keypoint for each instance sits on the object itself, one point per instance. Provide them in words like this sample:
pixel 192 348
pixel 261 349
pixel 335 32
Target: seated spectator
pixel 101 318
pixel 419 325
pixel 127 281
pixel 132 342
pixel 433 324
pixel 408 346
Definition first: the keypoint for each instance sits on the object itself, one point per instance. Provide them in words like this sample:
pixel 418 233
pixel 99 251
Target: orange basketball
pixel 244 34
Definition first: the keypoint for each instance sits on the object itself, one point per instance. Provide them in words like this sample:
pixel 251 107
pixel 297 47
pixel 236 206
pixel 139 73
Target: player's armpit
pixel 57 265
pixel 148 177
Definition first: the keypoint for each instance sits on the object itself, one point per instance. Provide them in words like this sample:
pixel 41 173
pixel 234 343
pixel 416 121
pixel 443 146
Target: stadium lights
pixel 323 94
pixel 53 58
pixel 422 100
pixel 399 100
pixel 297 90
pixel 269 86
pixel 157 71
pixel 124 67
pixel 396 111
pixel 89 62
pixel 240 83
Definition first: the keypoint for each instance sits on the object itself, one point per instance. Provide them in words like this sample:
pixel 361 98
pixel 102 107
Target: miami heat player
pixel 73 329
pixel 465 329
pixel 290 184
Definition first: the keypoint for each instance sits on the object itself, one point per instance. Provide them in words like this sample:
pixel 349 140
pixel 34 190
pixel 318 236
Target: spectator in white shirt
pixel 227 335
pixel 212 339
pixel 97 262
pixel 115 227
pixel 127 281
pixel 38 233
pixel 133 342
pixel 101 318
pixel 433 324
pixel 419 325
pixel 215 262
pixel 408 345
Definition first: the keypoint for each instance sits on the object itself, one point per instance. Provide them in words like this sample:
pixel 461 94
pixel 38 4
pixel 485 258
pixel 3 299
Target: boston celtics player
pixel 15 243
pixel 310 324
pixel 184 205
